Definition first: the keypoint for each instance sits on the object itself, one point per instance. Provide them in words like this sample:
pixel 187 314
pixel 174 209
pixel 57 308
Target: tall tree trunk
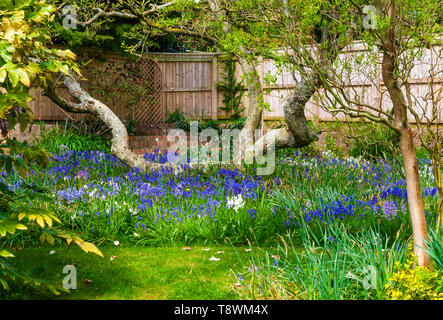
pixel 390 69
pixel 416 209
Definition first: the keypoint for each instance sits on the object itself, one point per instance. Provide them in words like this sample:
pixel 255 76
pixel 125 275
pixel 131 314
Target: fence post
pixel 214 90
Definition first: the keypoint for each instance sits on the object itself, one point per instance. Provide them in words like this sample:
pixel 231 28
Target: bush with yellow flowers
pixel 412 282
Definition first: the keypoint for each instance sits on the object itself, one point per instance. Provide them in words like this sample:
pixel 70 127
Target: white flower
pixel 207 249
pixel 248 250
pixel 116 242
pixel 308 204
pixel 236 202
pixel 350 275
pixel 220 252
pixel 136 235
pixel 51 252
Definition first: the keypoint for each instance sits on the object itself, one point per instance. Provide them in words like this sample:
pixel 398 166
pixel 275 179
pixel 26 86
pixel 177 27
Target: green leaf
pixel 2 75
pixel 4 284
pixel 23 77
pixel 13 77
pixel 6 254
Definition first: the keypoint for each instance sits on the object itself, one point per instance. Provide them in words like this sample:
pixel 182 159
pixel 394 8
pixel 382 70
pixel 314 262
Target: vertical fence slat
pixel 214 102
pixel 190 84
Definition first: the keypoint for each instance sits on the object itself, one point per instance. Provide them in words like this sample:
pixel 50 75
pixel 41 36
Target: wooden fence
pixel 189 83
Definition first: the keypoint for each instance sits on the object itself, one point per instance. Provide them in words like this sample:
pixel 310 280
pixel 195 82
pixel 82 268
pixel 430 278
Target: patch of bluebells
pixel 87 178
pixel 388 200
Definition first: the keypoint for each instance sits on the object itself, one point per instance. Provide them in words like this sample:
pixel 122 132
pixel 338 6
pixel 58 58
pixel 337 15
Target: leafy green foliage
pixel 381 143
pixel 434 246
pixel 412 282
pixel 232 90
pixel 336 266
pixel 56 139
pixel 26 59
pixel 179 119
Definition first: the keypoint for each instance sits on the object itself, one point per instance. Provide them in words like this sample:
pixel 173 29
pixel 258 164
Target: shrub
pixel 179 119
pixel 20 211
pixel 232 90
pixel 380 143
pixel 209 124
pixel 419 283
pixel 435 247
pixel 70 140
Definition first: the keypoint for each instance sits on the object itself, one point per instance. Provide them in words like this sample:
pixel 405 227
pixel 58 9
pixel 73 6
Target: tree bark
pixel 296 133
pixel 294 111
pixel 415 202
pixel 254 111
pixel 87 104
pixel 416 209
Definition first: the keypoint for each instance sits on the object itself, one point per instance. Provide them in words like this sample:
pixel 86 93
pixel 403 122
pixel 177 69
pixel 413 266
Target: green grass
pixel 136 273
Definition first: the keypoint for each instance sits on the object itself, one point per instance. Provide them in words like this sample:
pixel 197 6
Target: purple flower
pixel 82 174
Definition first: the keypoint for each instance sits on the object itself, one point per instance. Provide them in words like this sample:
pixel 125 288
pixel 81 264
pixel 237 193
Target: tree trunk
pixel 418 219
pixel 294 110
pixel 296 133
pixel 253 113
pixel 390 71
pixel 87 104
pixel 407 148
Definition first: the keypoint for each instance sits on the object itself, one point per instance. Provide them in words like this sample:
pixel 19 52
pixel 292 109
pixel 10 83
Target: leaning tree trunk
pixel 87 104
pixel 296 133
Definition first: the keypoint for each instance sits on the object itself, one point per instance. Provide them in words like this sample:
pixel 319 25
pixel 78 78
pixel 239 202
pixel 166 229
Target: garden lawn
pixel 136 272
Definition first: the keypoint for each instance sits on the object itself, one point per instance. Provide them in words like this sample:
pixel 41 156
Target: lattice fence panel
pixel 132 88
pixel 150 109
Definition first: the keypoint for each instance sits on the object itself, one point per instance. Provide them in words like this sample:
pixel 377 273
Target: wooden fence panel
pixel 189 83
